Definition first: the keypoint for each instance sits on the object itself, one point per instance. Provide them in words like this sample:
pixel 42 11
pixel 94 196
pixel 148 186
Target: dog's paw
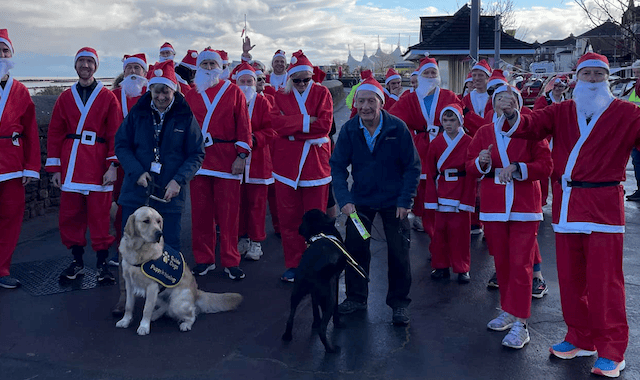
pixel 143 329
pixel 287 337
pixel 185 326
pixel 123 323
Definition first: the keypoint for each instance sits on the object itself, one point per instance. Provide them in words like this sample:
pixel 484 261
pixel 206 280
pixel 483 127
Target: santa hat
pixel 593 60
pixel 279 53
pixel 561 79
pixel 456 109
pixel 163 73
pixel 504 89
pixel 299 62
pixel 414 73
pixel 258 67
pixel 371 84
pixel 497 78
pixel 427 63
pixel 469 78
pixel 139 58
pixel 224 56
pixel 4 37
pixel 391 75
pixel 318 75
pixel 167 47
pixel 243 69
pixel 483 66
pixel 87 52
pixel 365 74
pixel 190 59
pixel 209 54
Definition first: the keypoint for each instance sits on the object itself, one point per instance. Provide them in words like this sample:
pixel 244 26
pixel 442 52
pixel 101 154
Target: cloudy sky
pixel 47 33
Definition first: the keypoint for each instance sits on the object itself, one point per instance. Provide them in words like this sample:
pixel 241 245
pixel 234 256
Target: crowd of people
pixel 242 139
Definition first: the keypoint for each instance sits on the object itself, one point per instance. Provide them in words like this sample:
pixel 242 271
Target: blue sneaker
pixel 608 368
pixel 566 350
pixel 289 275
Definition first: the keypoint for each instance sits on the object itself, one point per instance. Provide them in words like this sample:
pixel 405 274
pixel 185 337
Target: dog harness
pixel 350 260
pixel 167 270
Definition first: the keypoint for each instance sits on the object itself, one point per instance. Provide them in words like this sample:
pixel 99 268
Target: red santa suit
pixel 426 123
pixel 19 157
pixel 222 113
pixel 301 161
pixel 271 192
pixel 588 216
pixel 478 114
pixel 389 99
pixel 258 173
pixel 80 145
pixel 451 193
pixel 511 212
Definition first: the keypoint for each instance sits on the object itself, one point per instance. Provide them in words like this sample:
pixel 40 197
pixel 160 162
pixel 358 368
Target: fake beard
pixel 592 98
pixel 249 92
pixel 169 58
pixel 225 73
pixel 6 64
pixel 132 85
pixel 426 85
pixel 206 78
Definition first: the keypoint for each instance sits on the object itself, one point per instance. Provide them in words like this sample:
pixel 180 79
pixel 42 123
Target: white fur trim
pixel 209 55
pixel 215 173
pixel 52 162
pixel 12 175
pixel 86 54
pixel 524 171
pixel 6 42
pixel 168 49
pixel 455 111
pixel 480 67
pixel 371 87
pixel 243 144
pixel 31 174
pixel 426 66
pixel 306 123
pixel 592 63
pixel 162 80
pixel 245 72
pixel 297 69
pixel 395 76
pixel 587 228
pixel 134 60
pixel 468 208
pixel 431 206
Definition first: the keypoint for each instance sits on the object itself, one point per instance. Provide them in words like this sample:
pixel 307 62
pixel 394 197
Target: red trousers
pixel 77 212
pixel 253 211
pixel 418 201
pixel 544 186
pixel 273 207
pixel 292 204
pixel 429 221
pixel 450 246
pixel 11 215
pixel 592 292
pixel 512 245
pixel 215 201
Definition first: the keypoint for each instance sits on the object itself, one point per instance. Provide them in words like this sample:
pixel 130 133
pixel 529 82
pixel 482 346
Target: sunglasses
pixel 260 79
pixel 305 80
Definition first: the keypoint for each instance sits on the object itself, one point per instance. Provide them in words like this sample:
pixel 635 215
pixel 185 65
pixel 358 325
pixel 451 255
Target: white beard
pixel 592 98
pixel 225 73
pixel 206 78
pixel 132 85
pixel 249 92
pixel 426 85
pixel 169 58
pixel 6 64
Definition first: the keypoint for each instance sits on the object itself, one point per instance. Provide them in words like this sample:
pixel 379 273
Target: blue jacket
pixel 181 152
pixel 386 177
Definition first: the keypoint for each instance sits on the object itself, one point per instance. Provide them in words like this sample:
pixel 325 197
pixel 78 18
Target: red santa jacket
pixel 474 119
pixel 518 200
pixel 225 124
pixel 544 100
pixel 259 168
pixel 301 151
pixel 269 97
pixel 126 102
pixel 598 155
pixel 448 188
pixel 19 141
pixel 80 142
pixel 426 124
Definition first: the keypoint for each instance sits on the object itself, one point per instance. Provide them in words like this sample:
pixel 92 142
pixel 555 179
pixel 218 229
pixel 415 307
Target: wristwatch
pixel 242 155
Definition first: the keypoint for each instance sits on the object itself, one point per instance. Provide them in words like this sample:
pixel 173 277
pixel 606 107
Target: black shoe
pixel 73 271
pixel 348 306
pixel 493 282
pixel 118 310
pixel 202 269
pixel 400 316
pixel 114 261
pixel 9 282
pixel 104 275
pixel 539 288
pixel 464 278
pixel 634 197
pixel 439 274
pixel 235 273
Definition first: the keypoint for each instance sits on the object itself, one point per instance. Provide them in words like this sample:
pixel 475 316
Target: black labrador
pixel 318 273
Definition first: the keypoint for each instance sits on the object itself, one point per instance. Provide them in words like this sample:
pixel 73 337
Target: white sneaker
pixel 243 245
pixel 254 252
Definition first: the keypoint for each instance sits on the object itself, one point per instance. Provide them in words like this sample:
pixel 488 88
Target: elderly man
pixel 588 212
pixel 19 156
pixel 221 110
pixel 302 117
pixel 81 156
pixel 420 110
pixel 386 169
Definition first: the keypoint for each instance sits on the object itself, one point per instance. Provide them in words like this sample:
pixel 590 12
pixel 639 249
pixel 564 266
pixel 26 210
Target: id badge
pixel 156 167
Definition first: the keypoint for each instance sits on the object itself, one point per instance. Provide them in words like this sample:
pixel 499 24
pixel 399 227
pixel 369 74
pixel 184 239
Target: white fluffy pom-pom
pixel 294 60
pixel 158 72
pixel 194 55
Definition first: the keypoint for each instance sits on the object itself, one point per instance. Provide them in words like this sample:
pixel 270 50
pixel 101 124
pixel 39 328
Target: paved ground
pixel 73 335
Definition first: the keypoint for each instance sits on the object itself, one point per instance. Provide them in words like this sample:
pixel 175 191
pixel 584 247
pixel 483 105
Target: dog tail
pixel 216 302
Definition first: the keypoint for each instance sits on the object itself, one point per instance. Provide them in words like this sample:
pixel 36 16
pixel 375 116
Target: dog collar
pixel 350 260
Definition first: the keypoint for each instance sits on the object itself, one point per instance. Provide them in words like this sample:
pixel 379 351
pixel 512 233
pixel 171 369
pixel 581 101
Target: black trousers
pixel 398 237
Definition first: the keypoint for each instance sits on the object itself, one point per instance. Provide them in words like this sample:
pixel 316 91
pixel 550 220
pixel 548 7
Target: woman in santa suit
pixel 511 211
pixel 302 117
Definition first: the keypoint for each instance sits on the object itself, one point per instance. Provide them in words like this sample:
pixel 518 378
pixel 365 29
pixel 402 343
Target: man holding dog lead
pixel 385 166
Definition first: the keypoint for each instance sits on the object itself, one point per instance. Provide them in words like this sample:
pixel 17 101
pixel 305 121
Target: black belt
pixel 224 141
pixel 76 136
pixel 14 137
pixel 590 185
pixel 455 174
pixel 490 175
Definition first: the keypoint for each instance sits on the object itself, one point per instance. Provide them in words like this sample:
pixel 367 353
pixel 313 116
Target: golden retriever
pixel 142 242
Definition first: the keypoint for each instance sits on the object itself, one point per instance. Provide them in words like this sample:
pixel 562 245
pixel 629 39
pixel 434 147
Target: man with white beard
pixel 221 110
pixel 258 171
pixel 420 110
pixel 19 156
pixel 588 209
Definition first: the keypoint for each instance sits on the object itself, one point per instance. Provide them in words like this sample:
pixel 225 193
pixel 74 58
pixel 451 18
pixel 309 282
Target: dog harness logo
pixel 167 270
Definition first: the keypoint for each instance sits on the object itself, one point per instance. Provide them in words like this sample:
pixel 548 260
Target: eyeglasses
pixel 260 79
pixel 305 80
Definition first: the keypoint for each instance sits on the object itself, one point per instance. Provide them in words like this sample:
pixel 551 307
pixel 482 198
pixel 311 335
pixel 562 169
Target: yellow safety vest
pixel 633 98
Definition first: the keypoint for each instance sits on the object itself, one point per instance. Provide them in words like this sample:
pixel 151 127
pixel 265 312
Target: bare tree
pixel 383 62
pixel 504 8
